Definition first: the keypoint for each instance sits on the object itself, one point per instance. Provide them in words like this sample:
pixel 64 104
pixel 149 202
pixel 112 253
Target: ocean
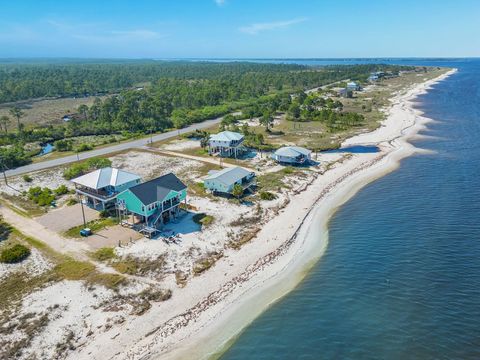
pixel 400 278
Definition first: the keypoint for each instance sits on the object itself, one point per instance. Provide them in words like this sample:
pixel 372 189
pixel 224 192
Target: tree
pixel 17 113
pixel 83 109
pixel 5 121
pixel 294 110
pixel 267 120
pixel 237 190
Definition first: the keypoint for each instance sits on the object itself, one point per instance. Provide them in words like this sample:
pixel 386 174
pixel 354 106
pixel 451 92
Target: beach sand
pixel 201 319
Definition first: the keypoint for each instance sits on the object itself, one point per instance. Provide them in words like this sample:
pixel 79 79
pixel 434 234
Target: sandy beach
pixel 202 318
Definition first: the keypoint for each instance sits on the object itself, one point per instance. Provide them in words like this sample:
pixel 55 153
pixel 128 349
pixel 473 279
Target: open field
pixel 46 111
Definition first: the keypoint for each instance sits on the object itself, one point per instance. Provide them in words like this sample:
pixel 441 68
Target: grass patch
pixel 206 262
pixel 110 281
pixel 74 270
pixel 94 225
pixel 268 196
pixel 274 180
pixel 135 266
pixel 104 254
pixel 203 219
pixel 23 206
pixel 14 254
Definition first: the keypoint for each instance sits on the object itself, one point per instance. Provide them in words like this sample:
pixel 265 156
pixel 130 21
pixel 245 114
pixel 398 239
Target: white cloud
pixel 220 2
pixel 254 29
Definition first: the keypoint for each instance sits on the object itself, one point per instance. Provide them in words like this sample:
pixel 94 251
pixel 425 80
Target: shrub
pixel 203 219
pixel 61 190
pixel 63 145
pixel 103 254
pixel 237 190
pixel 78 169
pixel 27 178
pixel 266 195
pixel 41 196
pixel 84 147
pixel 14 254
pixel 72 201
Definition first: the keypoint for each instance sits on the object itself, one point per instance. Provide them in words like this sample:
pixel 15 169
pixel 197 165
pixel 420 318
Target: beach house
pixel 226 144
pixel 294 155
pixel 99 188
pixel 150 204
pixel 353 86
pixel 223 181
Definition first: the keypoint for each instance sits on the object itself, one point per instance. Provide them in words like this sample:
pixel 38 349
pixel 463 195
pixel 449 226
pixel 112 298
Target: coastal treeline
pixel 177 94
pixel 36 80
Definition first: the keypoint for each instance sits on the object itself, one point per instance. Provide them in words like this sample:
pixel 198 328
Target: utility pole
pixel 81 205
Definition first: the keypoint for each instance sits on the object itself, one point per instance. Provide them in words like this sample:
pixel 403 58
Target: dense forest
pixel 174 94
pixel 35 80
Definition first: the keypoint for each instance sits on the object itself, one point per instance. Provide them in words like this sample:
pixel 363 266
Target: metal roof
pixel 101 178
pixel 229 176
pixel 157 189
pixel 226 136
pixel 292 151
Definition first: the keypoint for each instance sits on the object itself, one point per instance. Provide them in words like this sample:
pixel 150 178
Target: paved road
pixel 110 149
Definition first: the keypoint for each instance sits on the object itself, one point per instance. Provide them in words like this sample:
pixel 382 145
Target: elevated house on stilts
pixel 147 206
pixel 226 144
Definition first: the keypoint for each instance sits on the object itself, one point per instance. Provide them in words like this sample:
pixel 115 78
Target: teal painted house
pixel 151 204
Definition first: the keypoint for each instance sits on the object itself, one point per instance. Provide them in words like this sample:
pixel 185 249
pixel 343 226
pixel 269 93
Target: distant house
pixel 292 155
pixel 345 93
pixel 353 86
pixel 67 118
pixel 226 144
pixel 100 187
pixel 223 181
pixel 375 76
pixel 152 203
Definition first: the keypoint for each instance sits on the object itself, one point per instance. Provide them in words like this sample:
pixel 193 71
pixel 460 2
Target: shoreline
pixel 205 317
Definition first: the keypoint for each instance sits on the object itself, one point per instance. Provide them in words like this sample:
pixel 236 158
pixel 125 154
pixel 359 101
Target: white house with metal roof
pixel 226 144
pixel 292 155
pixel 223 181
pixel 352 85
pixel 99 188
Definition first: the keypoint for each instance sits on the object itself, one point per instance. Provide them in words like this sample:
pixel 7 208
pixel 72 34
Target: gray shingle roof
pixel 157 189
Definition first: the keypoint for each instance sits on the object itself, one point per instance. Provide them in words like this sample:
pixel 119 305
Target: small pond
pixel 46 149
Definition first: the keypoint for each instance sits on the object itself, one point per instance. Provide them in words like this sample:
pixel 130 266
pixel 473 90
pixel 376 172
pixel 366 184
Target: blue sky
pixel 239 28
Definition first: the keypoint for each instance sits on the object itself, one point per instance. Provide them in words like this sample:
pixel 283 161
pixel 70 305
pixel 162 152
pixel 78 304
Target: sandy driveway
pixel 32 228
pixel 66 217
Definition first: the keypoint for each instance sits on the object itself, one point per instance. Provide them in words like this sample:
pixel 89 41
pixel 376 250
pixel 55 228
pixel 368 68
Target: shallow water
pixel 356 149
pixel 400 278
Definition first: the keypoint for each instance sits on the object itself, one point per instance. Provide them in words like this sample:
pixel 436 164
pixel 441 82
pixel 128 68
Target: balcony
pixel 100 194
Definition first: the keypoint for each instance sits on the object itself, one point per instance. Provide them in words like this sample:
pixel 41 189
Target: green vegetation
pixel 206 262
pixel 135 266
pixel 274 180
pixel 266 195
pixel 74 270
pixel 27 178
pixel 14 254
pixel 237 191
pixel 45 196
pixel 177 94
pixel 41 196
pixel 72 201
pixel 84 167
pixel 104 254
pixel 203 219
pixel 94 226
